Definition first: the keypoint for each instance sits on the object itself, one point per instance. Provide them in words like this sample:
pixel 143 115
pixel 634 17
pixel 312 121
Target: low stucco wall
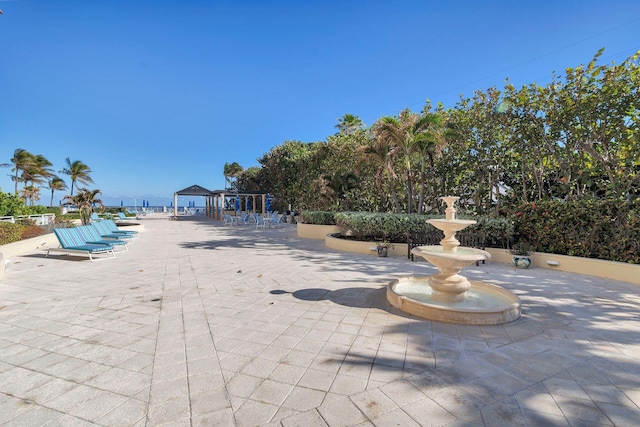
pixel 623 272
pixel 398 249
pixel 593 267
pixel 313 231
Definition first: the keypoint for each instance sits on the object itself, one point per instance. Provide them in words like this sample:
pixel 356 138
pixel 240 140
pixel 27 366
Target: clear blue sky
pixel 157 95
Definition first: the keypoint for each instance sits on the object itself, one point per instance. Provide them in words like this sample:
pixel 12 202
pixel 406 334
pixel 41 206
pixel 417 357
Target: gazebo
pixel 194 190
pixel 215 200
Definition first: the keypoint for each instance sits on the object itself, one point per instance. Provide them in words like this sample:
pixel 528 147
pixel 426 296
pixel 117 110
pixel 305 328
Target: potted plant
pixel 521 252
pixel 383 248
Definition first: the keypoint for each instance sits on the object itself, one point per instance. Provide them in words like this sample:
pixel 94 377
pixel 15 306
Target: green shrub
pixel 318 217
pixel 603 229
pixel 394 227
pixel 10 232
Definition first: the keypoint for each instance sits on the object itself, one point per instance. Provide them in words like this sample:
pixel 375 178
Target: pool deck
pixel 201 324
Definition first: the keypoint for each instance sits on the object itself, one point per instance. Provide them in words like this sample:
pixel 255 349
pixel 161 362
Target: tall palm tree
pixel 22 160
pixel 85 201
pixel 79 172
pixel 383 152
pixel 31 193
pixel 56 184
pixel 348 124
pixel 231 170
pixel 38 172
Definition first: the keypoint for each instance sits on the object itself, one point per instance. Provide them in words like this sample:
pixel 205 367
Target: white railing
pixel 40 219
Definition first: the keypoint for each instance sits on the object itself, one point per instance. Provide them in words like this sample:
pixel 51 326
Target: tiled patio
pixel 201 324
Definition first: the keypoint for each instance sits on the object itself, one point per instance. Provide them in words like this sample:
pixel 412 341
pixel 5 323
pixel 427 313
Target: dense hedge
pixel 318 217
pixel 394 227
pixel 10 232
pixel 603 229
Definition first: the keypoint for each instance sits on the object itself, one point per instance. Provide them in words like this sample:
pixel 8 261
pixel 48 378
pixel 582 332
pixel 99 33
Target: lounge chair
pixel 227 219
pixel 71 241
pixel 91 235
pixel 111 227
pixel 122 216
pixel 104 232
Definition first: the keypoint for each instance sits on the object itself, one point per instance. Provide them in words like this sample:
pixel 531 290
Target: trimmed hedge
pixel 603 229
pixel 318 217
pixel 395 227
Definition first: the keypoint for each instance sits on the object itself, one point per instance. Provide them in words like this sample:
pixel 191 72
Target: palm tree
pixel 78 171
pixel 38 171
pixel 31 193
pixel 348 124
pixel 382 152
pixel 85 201
pixel 22 160
pixel 56 184
pixel 231 170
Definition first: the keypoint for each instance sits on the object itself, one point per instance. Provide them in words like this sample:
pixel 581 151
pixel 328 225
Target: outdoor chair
pixel 105 232
pixel 72 242
pixel 123 217
pixel 112 227
pixel 260 222
pixel 92 236
pixel 227 219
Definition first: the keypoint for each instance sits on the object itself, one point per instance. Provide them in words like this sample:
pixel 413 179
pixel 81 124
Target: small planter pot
pixel 383 251
pixel 521 261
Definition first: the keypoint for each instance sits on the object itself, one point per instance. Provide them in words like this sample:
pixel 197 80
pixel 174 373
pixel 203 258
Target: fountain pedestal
pixel 448 296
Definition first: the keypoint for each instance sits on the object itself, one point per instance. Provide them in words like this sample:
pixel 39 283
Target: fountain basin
pixel 481 304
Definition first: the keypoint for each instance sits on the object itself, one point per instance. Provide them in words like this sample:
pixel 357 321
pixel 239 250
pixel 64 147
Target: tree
pixel 56 184
pixel 348 124
pixel 31 193
pixel 79 172
pixel 22 160
pixel 85 201
pixel 231 170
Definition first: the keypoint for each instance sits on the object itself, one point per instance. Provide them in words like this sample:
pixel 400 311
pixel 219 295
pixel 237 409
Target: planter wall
pixel 624 272
pixel 399 249
pixel 313 231
pixel 593 267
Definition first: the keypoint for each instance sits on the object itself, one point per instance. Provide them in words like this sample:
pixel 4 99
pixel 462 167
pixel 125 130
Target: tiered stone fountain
pixel 448 296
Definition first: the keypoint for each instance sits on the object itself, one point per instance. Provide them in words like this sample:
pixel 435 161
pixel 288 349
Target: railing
pixel 40 219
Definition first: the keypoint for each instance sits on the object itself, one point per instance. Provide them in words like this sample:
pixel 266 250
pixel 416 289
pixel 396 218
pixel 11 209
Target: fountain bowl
pixel 483 303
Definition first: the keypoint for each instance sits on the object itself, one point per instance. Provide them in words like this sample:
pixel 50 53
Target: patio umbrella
pixel 249 204
pixel 268 203
pixel 237 203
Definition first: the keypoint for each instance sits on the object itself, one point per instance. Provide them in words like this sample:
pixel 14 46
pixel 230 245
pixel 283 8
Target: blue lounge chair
pixel 122 216
pixel 72 242
pixel 91 235
pixel 107 226
pixel 104 232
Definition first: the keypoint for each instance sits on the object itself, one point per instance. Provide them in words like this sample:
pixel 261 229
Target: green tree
pixel 22 160
pixel 85 200
pixel 56 184
pixel 31 193
pixel 348 124
pixel 231 170
pixel 78 171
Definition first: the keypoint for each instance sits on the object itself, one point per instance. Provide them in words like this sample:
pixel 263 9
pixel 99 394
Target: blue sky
pixel 157 95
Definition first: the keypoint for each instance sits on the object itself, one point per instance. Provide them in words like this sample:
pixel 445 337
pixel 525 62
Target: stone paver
pixel 202 324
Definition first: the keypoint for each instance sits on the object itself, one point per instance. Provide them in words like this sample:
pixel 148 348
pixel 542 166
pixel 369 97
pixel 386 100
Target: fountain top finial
pixel 450 212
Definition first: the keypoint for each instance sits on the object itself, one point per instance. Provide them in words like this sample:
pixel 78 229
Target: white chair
pixel 260 222
pixel 227 219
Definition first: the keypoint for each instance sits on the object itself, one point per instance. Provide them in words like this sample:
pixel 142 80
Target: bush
pixel 10 232
pixel 318 217
pixel 30 231
pixel 603 229
pixel 395 227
